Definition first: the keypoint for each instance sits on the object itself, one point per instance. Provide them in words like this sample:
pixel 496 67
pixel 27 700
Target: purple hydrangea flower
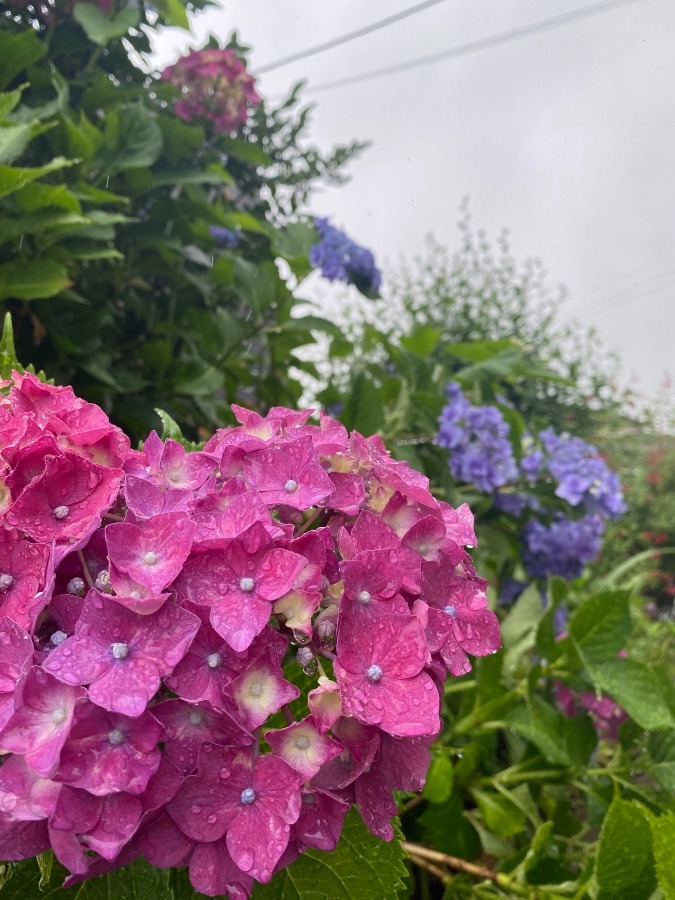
pixel 341 259
pixel 478 440
pixel 224 237
pixel 562 548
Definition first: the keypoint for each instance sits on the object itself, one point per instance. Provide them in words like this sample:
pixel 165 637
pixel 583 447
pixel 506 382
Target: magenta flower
pixel 187 727
pixel 152 555
pixel 16 655
pixel 23 572
pixel 107 752
pixel 240 583
pixel 41 721
pixel 303 747
pixel 103 824
pixel 261 690
pixel 289 476
pixel 122 656
pixel 66 502
pixel 459 621
pixel 25 796
pixel 251 803
pixel 321 818
pixel 379 671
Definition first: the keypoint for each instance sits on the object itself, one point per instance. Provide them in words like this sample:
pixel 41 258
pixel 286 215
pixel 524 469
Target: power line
pixel 474 46
pixel 345 38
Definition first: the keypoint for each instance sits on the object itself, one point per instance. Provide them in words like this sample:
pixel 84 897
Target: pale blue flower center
pixel 61 512
pixel 374 673
pixel 6 581
pixel 116 736
pixel 364 597
pixel 150 558
pixel 58 638
pixel 291 486
pixel 213 660
pixel 119 651
pixel 247 796
pixel 451 611
pixel 246 585
pixel 196 718
pixel 75 586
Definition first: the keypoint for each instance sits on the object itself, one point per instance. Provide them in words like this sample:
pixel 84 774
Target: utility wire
pixel 345 38
pixel 493 40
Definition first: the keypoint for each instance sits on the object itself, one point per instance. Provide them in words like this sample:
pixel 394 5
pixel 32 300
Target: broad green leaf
pixel 363 408
pixel 422 340
pixel 500 814
pixel 10 99
pixel 479 351
pixel 624 865
pixel 245 151
pixel 93 194
pixel 13 141
pixel 294 240
pixel 17 52
pixel 99 28
pixel 663 844
pixel 38 196
pixel 169 427
pixel 139 881
pixel 173 12
pixel 45 221
pixel 661 749
pixel 438 787
pixel 13 178
pixel 133 139
pixel 32 280
pixel 361 866
pixel 543 725
pixel 643 692
pixel 600 626
pixel 256 284
pixel 8 360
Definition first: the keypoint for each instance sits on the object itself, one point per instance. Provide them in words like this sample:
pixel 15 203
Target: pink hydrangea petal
pixel 213 872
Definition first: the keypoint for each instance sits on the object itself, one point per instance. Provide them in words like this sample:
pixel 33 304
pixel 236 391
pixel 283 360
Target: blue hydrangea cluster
pixel 341 259
pixel 224 237
pixel 562 548
pixel 478 440
pixel 584 478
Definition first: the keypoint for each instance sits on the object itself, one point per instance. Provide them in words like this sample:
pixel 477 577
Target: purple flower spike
pixel 107 752
pixel 122 655
pixel 41 722
pixel 379 671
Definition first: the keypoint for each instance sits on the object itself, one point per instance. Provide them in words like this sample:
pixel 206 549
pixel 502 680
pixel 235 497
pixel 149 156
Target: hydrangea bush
pixel 152 602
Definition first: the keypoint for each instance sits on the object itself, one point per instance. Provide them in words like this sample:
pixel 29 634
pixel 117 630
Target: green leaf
pixel 422 340
pixel 361 866
pixel 133 139
pixel 624 865
pixel 661 749
pixel 17 52
pixel 139 881
pixel 543 725
pixel 173 12
pixel 600 626
pixel 13 141
pixel 245 151
pixel 8 360
pixel 170 429
pixel 479 351
pixel 295 240
pixel 38 196
pixel 14 178
pixel 663 842
pixel 363 409
pixel 32 280
pixel 643 692
pixel 99 28
pixel 9 100
pixel 500 814
pixel 439 781
pixel 256 284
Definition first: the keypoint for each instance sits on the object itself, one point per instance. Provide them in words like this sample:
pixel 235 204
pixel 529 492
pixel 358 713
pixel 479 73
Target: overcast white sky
pixel 565 137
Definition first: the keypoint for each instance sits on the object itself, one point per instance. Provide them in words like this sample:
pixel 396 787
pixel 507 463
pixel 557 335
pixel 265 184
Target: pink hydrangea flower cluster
pixel 214 86
pixel 151 606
